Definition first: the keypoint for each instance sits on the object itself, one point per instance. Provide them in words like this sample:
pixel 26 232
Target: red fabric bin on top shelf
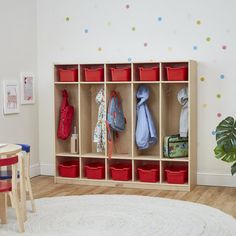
pixel 149 73
pixel 68 75
pixel 176 174
pixel 69 169
pixel 148 173
pixel 94 74
pixel 121 74
pixel 177 73
pixel 121 172
pixel 95 171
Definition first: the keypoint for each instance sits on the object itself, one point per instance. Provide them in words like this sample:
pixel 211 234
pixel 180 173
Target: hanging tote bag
pixel 66 117
pixel 146 135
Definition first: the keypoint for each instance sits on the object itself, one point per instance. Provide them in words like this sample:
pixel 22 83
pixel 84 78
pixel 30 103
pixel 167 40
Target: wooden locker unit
pixel 165 110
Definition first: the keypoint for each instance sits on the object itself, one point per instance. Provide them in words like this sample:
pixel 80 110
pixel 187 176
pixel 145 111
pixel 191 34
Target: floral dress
pixel 100 129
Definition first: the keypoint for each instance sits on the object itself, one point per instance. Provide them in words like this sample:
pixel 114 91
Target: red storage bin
pixel 94 74
pixel 149 73
pixel 176 174
pixel 148 173
pixel 121 74
pixel 95 171
pixel 177 73
pixel 121 172
pixel 68 75
pixel 69 169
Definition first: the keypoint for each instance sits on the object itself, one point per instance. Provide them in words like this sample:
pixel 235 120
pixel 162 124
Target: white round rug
pixel 123 215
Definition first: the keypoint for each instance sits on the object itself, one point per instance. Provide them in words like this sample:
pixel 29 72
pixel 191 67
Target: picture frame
pixel 11 97
pixel 27 88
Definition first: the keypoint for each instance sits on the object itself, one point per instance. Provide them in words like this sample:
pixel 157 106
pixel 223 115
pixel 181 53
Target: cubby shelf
pixel 162 103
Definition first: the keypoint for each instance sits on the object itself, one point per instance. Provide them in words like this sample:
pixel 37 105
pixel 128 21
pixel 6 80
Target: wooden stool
pixel 26 150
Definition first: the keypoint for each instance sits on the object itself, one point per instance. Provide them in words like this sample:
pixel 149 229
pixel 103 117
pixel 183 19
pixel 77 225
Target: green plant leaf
pixel 226 133
pixel 225 154
pixel 233 169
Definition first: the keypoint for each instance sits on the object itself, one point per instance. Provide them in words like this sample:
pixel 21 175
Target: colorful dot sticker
pixel 99 49
pixel 208 39
pixel 127 6
pixel 224 47
pixel 222 76
pixel 202 79
pixel 213 132
pixel 198 22
pixel 159 18
pixel 129 59
pixel 218 114
pixel 133 28
pixel 194 47
pixel 86 31
pixel 218 95
pixel 67 18
pixel 145 44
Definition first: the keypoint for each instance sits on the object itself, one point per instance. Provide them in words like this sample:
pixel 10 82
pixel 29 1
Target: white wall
pixel 186 29
pixel 18 54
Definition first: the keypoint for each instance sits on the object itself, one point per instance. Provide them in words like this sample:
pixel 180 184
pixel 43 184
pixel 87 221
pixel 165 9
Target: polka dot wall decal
pixel 170 49
pixel 194 47
pixel 202 79
pixel 204 105
pixel 127 6
pixel 213 132
pixel 86 31
pixel 133 28
pixel 224 47
pixel 145 44
pixel 218 95
pixel 198 22
pixel 129 59
pixel 99 49
pixel 219 114
pixel 159 18
pixel 208 39
pixel 109 23
pixel 67 18
pixel 222 76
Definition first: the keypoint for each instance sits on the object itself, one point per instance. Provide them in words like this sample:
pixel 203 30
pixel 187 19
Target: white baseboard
pixel 34 170
pixel 47 169
pixel 203 178
pixel 214 179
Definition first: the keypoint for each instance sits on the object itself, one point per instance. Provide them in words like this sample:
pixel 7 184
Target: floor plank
pixel 223 198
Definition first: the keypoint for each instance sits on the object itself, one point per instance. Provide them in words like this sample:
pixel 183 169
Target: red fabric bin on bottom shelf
pixel 95 171
pixel 177 73
pixel 149 73
pixel 121 172
pixel 148 173
pixel 68 75
pixel 69 169
pixel 176 174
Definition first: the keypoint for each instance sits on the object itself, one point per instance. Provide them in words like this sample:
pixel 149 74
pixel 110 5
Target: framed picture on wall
pixel 11 97
pixel 27 88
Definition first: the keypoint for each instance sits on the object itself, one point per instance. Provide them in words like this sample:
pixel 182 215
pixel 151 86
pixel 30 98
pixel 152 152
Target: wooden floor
pixel 222 198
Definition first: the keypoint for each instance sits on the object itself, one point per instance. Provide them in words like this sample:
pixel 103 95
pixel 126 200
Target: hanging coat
pixel 100 129
pixel 183 122
pixel 146 134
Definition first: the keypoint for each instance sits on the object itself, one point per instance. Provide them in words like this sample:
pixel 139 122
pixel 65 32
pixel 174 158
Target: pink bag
pixel 66 117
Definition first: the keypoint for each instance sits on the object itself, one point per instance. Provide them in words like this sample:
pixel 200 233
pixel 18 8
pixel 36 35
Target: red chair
pixel 10 187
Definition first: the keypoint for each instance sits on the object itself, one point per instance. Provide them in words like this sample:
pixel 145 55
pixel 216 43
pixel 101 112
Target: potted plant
pixel 226 142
